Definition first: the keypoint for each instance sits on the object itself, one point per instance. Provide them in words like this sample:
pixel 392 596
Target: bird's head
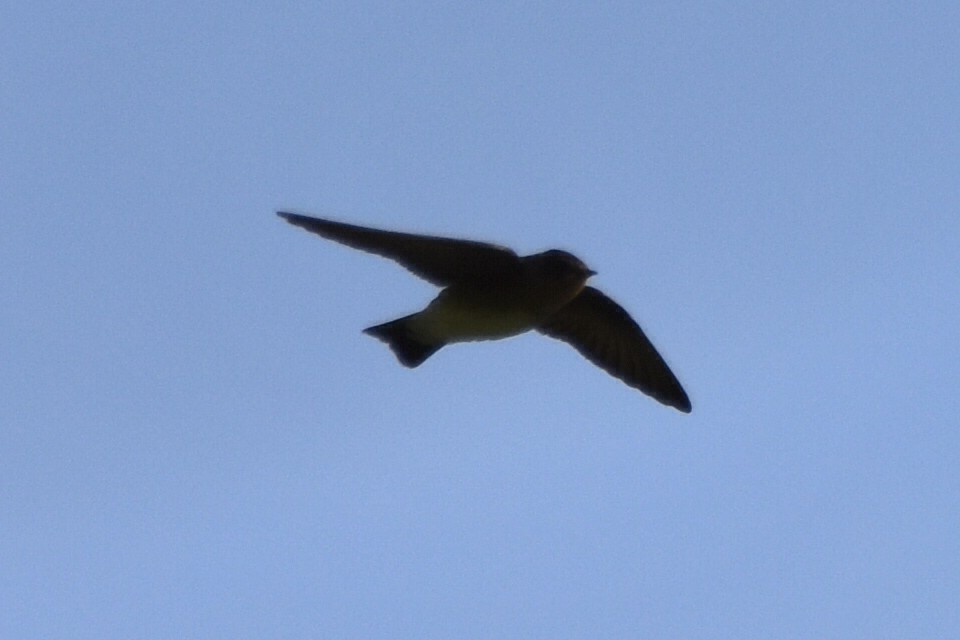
pixel 563 264
pixel 561 270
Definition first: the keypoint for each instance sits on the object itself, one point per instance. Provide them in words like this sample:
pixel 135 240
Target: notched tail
pixel 410 351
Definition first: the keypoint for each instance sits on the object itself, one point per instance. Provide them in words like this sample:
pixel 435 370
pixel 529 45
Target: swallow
pixel 489 292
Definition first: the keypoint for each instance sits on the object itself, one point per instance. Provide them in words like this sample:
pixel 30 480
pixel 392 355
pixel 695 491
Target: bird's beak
pixel 591 273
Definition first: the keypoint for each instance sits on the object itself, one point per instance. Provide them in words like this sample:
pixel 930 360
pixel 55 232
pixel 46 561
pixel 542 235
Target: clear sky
pixel 197 441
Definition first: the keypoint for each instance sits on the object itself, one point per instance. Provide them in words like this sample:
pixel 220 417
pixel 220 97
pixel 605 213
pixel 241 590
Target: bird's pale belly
pixel 448 319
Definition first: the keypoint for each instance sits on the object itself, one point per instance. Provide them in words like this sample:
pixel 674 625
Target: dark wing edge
pixel 441 261
pixel 605 334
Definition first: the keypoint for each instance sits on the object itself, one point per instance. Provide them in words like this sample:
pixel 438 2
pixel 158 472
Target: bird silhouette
pixel 489 292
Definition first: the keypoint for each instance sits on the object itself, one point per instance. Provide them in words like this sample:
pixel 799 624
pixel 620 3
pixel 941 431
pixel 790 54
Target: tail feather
pixel 410 351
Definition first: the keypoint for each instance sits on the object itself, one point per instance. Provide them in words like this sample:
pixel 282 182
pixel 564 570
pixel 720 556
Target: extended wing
pixel 441 261
pixel 604 333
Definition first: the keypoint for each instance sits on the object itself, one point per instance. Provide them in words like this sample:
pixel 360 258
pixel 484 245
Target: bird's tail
pixel 409 349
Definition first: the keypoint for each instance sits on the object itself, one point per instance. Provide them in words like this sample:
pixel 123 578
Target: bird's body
pixel 463 316
pixel 490 293
pixel 463 312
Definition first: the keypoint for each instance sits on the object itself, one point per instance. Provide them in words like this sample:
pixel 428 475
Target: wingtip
pixel 682 404
pixel 295 219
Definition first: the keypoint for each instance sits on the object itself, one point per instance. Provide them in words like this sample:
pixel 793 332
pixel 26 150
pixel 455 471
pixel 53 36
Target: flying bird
pixel 489 292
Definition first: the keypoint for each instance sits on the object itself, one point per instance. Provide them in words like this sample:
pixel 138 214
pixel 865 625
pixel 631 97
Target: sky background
pixel 196 440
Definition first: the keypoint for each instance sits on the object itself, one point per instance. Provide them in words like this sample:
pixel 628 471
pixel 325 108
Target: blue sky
pixel 197 441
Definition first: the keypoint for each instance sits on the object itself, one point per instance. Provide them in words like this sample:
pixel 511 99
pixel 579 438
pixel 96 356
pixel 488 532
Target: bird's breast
pixel 462 316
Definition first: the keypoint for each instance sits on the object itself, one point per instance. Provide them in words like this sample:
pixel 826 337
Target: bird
pixel 489 292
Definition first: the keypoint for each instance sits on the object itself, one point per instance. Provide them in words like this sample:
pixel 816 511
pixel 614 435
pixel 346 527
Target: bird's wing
pixel 604 333
pixel 442 261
